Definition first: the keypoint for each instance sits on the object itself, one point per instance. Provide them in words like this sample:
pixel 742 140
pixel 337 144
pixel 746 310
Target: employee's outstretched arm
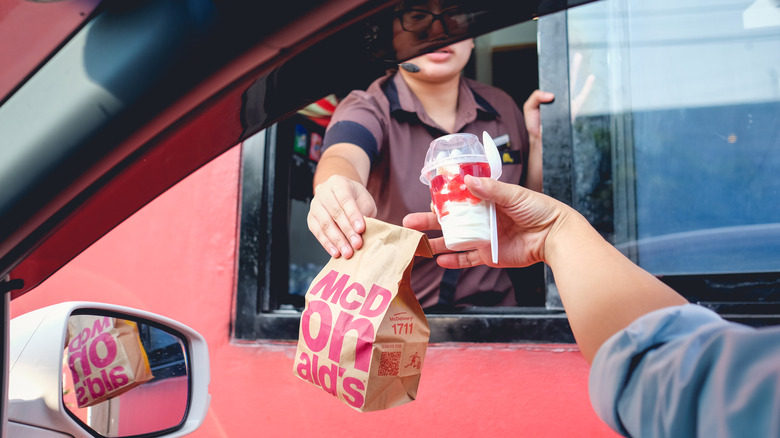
pixel 341 200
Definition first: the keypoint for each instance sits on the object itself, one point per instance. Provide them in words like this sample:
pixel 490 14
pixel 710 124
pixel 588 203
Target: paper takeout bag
pixel 105 357
pixel 363 334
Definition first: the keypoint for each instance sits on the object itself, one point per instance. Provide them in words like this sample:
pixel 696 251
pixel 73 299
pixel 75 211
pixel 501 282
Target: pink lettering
pixel 85 335
pixel 304 368
pixel 352 305
pixel 321 340
pixel 96 387
pixel 376 292
pixel 315 365
pixel 79 340
pixel 330 287
pixel 83 358
pixel 94 355
pixel 106 382
pixel 363 340
pixel 352 391
pixel 327 377
pixel 100 324
pixel 81 396
pixel 331 379
pixel 118 377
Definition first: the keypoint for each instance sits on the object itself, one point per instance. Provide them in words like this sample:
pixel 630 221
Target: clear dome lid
pixel 452 149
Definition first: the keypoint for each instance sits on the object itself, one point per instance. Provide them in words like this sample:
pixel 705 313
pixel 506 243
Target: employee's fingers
pixel 326 230
pixel 366 207
pixel 537 98
pixel 336 215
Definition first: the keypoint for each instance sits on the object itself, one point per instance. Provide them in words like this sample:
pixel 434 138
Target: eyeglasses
pixel 454 20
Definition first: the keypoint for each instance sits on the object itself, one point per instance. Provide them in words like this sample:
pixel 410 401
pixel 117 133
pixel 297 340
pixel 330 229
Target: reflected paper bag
pixel 363 335
pixel 105 358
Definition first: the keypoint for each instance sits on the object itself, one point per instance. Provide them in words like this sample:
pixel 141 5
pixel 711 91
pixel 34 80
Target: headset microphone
pixel 411 68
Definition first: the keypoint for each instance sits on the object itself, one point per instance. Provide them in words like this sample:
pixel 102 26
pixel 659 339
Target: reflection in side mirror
pixel 42 394
pixel 123 377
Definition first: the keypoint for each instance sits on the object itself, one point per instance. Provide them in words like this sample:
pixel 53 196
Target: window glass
pixel 676 131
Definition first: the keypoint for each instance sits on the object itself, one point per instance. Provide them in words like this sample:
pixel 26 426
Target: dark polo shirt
pixel 389 123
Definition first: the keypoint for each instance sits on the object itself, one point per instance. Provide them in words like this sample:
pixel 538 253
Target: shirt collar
pixel 404 104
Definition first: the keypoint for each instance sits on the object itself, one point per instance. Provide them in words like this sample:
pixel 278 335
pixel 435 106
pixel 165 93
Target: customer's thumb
pixel 483 188
pixel 491 190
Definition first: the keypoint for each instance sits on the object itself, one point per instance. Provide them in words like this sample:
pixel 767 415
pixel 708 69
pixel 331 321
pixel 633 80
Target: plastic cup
pixel 464 218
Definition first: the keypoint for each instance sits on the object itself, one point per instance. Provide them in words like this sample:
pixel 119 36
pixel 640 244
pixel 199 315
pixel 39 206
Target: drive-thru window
pixel 664 136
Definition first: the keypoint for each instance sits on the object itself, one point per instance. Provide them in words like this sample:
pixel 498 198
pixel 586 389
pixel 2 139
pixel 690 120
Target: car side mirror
pixel 90 369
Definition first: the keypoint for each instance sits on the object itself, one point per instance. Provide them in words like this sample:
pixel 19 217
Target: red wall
pixel 176 257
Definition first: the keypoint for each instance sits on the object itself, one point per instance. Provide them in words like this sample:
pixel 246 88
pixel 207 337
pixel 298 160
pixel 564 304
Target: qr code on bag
pixel 389 363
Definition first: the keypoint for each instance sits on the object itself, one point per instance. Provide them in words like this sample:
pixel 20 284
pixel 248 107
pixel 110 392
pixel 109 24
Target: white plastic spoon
pixel 494 160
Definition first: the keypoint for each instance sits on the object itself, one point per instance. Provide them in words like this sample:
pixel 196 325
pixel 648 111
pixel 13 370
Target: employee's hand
pixel 525 220
pixel 336 215
pixel 533 120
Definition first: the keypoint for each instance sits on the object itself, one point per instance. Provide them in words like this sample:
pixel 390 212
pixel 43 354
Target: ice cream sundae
pixel 464 218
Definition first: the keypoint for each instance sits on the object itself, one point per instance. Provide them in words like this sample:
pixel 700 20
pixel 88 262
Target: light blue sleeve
pixel 683 371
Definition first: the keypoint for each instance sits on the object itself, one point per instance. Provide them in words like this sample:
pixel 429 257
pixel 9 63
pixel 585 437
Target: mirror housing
pixel 37 341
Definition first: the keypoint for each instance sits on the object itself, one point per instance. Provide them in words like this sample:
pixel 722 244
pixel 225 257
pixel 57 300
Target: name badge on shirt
pixel 508 156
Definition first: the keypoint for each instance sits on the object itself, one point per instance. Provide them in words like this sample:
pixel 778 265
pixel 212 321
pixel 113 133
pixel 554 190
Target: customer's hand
pixel 336 215
pixel 525 221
